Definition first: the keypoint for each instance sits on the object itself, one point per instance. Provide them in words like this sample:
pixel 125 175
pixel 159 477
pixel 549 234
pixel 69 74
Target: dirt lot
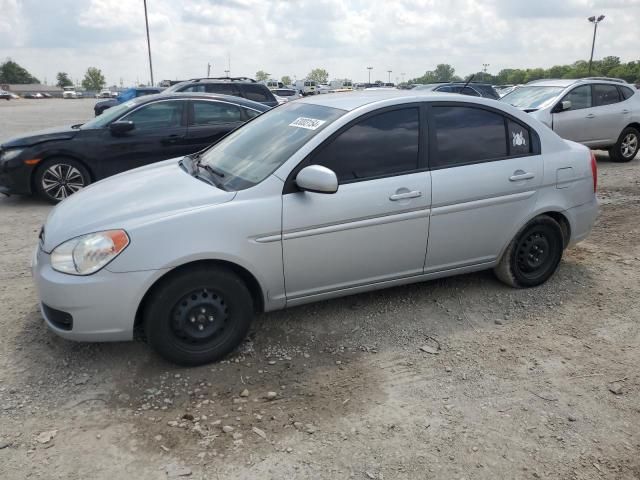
pixel 540 383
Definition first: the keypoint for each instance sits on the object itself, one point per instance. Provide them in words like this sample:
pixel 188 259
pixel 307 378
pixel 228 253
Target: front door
pixel 577 122
pixel 159 134
pixel 375 227
pixel 486 171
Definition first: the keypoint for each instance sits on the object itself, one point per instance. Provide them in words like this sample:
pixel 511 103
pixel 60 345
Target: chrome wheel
pixel 61 180
pixel 629 145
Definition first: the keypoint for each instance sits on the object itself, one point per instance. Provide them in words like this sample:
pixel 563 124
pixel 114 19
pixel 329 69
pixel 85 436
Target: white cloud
pixel 292 37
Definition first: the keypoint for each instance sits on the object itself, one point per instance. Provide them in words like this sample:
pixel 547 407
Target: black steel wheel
pixel 59 178
pixel 198 315
pixel 533 255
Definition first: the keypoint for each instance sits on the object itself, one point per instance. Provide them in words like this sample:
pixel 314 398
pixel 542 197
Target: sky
pixel 292 37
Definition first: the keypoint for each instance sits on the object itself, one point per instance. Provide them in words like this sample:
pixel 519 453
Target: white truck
pixel 306 87
pixel 340 85
pixel 69 92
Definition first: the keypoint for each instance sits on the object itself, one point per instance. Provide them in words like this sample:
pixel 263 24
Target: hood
pixel 59 133
pixel 112 102
pixel 128 200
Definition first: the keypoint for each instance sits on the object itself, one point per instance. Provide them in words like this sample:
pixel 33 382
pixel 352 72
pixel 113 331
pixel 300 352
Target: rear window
pixel 257 93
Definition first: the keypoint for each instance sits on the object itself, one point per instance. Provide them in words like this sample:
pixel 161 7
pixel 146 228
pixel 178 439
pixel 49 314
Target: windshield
pixel 253 152
pixel 107 116
pixel 531 97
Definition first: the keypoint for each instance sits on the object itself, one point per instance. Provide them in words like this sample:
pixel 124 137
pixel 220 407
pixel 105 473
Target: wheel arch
pixel 247 277
pixel 52 155
pixel 635 125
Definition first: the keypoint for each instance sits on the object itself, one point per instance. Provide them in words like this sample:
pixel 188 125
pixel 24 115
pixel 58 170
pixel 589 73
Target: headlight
pixel 87 254
pixel 10 154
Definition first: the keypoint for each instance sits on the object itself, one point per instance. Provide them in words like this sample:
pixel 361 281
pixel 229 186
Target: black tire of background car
pixel 172 307
pixel 46 165
pixel 522 265
pixel 615 152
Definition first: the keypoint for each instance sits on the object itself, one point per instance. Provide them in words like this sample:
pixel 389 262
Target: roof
pixel 205 96
pixel 353 100
pixel 566 82
pixel 30 87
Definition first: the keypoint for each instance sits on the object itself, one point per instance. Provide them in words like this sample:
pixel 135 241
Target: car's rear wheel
pixel 626 147
pixel 58 178
pixel 198 315
pixel 533 255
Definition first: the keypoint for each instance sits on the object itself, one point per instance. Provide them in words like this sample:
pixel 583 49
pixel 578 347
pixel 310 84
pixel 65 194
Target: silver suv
pixel 326 196
pixel 600 113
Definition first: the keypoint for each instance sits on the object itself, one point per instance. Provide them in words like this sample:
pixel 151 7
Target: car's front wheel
pixel 533 255
pixel 626 147
pixel 57 178
pixel 198 315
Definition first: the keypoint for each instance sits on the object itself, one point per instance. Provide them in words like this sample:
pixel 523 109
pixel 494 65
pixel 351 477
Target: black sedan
pixel 57 163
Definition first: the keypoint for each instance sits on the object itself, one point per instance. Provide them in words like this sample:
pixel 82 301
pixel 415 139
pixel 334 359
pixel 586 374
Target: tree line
pixel 12 73
pixel 607 67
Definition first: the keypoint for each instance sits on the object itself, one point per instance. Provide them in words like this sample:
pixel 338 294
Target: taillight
pixel 594 172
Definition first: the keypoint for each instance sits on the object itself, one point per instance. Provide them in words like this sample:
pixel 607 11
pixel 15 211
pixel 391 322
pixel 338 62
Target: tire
pixel 626 147
pixel 533 255
pixel 198 316
pixel 57 178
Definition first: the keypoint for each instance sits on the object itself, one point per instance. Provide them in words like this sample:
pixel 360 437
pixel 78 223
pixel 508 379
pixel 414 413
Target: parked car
pixel 35 95
pixel 104 93
pixel 4 95
pixel 288 93
pixel 319 198
pixel 125 96
pixel 597 112
pixel 69 92
pixel 238 86
pixel 471 89
pixel 57 163
pixel 46 95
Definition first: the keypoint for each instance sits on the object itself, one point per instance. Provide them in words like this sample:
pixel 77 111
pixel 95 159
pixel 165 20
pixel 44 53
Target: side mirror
pixel 565 105
pixel 120 128
pixel 317 179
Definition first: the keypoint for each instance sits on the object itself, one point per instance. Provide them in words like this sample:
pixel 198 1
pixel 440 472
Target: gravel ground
pixel 518 384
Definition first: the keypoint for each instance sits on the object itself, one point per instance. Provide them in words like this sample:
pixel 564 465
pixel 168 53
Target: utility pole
pixel 595 22
pixel 146 21
pixel 484 67
pixel 389 72
pixel 227 72
pixel 208 70
pixel 403 74
pixel 369 68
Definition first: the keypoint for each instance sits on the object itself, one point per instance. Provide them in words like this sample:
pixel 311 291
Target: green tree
pixel 318 75
pixel 11 72
pixel 286 80
pixel 444 73
pixel 63 80
pixel 93 79
pixel 261 76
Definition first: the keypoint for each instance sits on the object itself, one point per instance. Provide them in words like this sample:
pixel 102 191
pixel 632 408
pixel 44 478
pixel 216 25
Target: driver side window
pixel 157 115
pixel 579 97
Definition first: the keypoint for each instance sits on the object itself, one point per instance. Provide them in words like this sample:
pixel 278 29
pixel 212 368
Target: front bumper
pixel 102 306
pixel 15 177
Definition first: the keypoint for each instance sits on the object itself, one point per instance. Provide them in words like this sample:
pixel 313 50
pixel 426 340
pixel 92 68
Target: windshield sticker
pixel 308 123
pixel 518 139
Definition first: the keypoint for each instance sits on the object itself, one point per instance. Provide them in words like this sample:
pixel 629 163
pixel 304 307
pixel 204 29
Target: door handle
pixel 591 115
pixel 624 112
pixel 403 196
pixel 520 175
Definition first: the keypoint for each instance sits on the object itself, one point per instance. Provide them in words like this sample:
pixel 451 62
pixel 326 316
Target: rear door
pixel 374 228
pixel 576 123
pixel 210 120
pixel 610 115
pixel 159 134
pixel 486 169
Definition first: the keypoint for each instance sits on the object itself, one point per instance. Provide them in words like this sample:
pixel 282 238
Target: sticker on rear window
pixel 518 139
pixel 308 123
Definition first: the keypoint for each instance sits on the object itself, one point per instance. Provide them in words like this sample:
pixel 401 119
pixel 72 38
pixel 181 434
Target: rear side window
pixel 215 113
pixel 467 135
pixel 222 88
pixel 519 139
pixel 469 91
pixel 579 97
pixel 605 95
pixel 381 145
pixel 257 93
pixel 193 88
pixel 626 92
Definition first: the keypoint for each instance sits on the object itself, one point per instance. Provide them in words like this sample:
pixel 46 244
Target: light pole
pixel 484 70
pixel 403 74
pixel 146 21
pixel 389 72
pixel 595 22
pixel 227 72
pixel 369 68
pixel 208 70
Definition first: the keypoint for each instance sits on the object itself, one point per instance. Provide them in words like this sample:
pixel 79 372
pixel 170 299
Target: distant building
pixel 23 89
